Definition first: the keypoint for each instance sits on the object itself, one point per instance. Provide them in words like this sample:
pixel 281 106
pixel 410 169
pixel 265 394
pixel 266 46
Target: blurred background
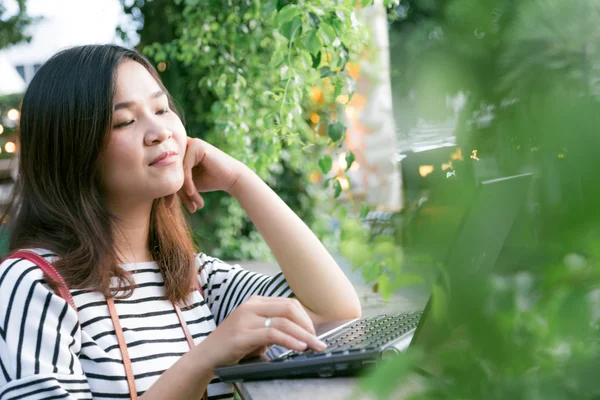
pixel 376 121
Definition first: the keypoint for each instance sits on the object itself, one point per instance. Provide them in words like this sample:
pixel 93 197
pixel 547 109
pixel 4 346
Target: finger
pixel 292 309
pixel 268 336
pixel 192 158
pixel 201 201
pixel 296 331
pixel 196 198
pixel 189 205
pixel 169 200
pixel 259 352
pixel 288 308
pixel 188 184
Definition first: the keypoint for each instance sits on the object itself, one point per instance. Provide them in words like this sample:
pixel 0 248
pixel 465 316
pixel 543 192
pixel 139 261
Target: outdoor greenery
pixel 12 29
pixel 8 127
pixel 529 72
pixel 267 81
pixel 248 77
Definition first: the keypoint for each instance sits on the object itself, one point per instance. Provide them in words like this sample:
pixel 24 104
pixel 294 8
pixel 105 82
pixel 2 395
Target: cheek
pixel 179 134
pixel 123 152
pixel 121 155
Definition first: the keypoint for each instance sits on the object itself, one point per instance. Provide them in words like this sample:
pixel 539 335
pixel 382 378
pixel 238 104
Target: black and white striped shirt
pixel 49 351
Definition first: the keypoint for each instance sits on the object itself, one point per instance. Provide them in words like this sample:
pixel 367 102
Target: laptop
pixel 357 344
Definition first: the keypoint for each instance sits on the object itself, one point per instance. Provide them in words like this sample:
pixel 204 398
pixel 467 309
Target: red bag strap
pixel 55 279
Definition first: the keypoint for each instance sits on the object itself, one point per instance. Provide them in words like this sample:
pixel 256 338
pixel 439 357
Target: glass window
pixel 21 71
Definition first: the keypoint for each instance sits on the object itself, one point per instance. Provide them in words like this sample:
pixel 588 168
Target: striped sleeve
pixel 40 338
pixel 227 286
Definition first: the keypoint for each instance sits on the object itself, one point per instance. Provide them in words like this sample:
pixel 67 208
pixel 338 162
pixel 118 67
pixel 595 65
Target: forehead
pixel 134 82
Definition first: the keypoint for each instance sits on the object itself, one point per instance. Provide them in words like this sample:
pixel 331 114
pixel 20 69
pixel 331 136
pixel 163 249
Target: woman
pixel 104 165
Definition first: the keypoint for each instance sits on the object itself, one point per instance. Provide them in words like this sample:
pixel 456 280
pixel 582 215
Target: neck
pixel 131 232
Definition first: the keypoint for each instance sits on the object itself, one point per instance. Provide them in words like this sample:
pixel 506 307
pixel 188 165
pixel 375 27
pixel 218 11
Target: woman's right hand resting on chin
pixel 241 334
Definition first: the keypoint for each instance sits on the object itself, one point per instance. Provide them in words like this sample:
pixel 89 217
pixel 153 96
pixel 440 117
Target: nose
pixel 157 133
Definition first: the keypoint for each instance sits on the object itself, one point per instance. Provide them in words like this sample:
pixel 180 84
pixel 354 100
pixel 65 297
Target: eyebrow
pixel 128 104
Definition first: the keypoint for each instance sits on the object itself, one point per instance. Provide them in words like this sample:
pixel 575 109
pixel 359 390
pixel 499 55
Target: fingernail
pixel 193 208
pixel 302 345
pixel 321 345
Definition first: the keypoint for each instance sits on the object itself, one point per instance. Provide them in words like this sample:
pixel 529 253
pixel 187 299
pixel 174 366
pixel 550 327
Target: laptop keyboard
pixel 366 334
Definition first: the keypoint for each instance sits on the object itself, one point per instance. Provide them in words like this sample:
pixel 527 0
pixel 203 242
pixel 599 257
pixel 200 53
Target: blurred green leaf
pixel 312 42
pixel 337 188
pixel 371 270
pixel 364 210
pixel 316 59
pixel 327 33
pixel 293 27
pixel 392 373
pixel 336 131
pixel 313 19
pixel 325 72
pixel 405 279
pixel 343 212
pixel 277 58
pixel 439 302
pixel 287 13
pixel 325 163
pixel 383 283
pixel 349 159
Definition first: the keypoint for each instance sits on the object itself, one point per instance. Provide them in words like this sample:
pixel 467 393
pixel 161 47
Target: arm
pixel 186 379
pixel 311 272
pixel 242 333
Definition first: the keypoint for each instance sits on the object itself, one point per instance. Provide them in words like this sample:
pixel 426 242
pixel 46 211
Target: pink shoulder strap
pixel 56 280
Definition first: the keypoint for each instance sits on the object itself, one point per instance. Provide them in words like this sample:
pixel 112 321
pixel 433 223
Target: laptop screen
pixel 475 247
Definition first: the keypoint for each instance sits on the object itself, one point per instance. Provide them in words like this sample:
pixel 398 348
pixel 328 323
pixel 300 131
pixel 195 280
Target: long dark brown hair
pixel 57 203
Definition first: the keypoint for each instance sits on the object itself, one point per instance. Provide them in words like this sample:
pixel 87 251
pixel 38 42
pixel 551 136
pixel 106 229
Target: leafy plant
pixel 249 76
pixel 530 330
pixel 8 126
pixel 12 29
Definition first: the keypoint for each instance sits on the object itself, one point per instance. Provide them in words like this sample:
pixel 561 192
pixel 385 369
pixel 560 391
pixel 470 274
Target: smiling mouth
pixel 165 158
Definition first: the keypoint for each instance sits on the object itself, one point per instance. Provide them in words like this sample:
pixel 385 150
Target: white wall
pixel 66 23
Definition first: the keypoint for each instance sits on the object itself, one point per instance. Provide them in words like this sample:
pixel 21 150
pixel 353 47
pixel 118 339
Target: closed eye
pixel 123 124
pixel 127 123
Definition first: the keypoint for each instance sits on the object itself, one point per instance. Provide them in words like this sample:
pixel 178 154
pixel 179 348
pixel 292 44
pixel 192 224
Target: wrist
pixel 202 361
pixel 245 176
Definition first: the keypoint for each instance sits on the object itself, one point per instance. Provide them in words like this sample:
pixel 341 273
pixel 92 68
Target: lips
pixel 163 156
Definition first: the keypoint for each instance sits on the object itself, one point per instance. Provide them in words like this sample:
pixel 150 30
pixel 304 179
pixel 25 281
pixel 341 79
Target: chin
pixel 167 189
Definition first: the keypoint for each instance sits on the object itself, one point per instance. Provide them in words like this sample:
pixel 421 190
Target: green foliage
pixel 12 29
pixel 528 69
pixel 244 74
pixel 9 128
pixel 377 255
pixel 10 101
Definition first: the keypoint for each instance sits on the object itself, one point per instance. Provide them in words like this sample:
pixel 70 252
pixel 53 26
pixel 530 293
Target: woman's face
pixel 143 160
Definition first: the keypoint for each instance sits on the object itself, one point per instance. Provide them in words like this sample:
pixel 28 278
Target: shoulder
pixel 16 269
pixel 18 274
pixel 19 267
pixel 26 299
pixel 207 263
pixel 213 270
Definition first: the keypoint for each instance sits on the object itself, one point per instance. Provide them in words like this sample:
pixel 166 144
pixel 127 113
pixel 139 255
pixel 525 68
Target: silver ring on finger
pixel 268 322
